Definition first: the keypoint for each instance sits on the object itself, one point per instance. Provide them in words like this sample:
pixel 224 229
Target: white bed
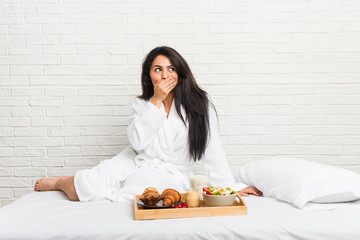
pixel 50 215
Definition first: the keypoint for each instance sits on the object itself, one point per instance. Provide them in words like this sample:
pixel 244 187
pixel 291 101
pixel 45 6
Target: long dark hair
pixel 187 94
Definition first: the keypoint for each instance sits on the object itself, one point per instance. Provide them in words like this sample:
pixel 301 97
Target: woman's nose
pixel 164 74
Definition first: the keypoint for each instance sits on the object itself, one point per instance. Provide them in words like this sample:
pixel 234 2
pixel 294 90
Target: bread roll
pixel 150 196
pixel 170 196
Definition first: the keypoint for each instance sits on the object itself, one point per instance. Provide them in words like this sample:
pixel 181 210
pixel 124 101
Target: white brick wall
pixel 284 76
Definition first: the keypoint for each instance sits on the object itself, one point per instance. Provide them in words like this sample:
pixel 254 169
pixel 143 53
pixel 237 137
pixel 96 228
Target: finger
pixel 255 193
pixel 242 193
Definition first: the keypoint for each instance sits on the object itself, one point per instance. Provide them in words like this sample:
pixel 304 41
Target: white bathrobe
pixel 158 157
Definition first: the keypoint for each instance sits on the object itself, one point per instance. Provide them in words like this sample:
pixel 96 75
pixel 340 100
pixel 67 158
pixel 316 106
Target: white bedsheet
pixel 49 215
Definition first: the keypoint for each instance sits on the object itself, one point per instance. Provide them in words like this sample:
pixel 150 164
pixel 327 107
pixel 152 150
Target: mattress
pixel 50 215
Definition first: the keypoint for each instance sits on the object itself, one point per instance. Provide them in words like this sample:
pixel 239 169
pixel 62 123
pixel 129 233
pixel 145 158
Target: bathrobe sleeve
pixel 215 160
pixel 150 131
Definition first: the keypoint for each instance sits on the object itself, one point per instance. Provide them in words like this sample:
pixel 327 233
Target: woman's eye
pixel 172 69
pixel 157 69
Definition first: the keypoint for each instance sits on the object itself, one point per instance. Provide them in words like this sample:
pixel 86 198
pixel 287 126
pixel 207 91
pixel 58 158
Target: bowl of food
pixel 215 197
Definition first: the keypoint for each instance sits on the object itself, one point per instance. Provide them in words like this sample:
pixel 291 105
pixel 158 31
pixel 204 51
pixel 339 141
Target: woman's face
pixel 162 70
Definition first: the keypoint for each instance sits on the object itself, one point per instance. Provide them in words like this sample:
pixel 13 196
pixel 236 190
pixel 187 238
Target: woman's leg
pixel 65 184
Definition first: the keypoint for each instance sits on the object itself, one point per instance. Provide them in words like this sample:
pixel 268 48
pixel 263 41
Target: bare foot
pixel 47 184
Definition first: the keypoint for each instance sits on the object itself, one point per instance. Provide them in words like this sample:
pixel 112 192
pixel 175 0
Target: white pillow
pixel 299 181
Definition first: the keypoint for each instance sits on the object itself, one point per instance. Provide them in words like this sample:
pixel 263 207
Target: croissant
pixel 170 196
pixel 150 196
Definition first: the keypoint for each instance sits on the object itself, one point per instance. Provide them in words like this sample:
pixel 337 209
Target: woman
pixel 173 125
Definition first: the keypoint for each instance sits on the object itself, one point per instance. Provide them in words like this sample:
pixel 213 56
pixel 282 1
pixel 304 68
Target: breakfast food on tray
pixel 150 196
pixel 170 196
pixel 218 191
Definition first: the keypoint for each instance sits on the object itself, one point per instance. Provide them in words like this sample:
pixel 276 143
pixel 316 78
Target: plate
pixel 158 205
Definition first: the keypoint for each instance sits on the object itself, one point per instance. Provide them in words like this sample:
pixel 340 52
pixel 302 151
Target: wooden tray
pixel 239 208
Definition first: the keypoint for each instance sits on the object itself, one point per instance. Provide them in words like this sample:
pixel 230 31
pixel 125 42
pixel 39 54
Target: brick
pixel 29 132
pixel 3 30
pixel 58 172
pixel 6 172
pixel 94 91
pixel 128 30
pixel 48 60
pixel 14 142
pixel 326 150
pixel 75 18
pixel 126 49
pixel 105 121
pixel 59 49
pixel 76 39
pixel 60 91
pixel 59 29
pixel 81 161
pixel 96 111
pixel 79 101
pixel 23 8
pixel 14 102
pixel 24 29
pixel 142 19
pixel 13 80
pixel 5 112
pixel 352 130
pixel 29 152
pixel 46 122
pixel 99 60
pixel 41 39
pixel 122 111
pixel 6 193
pixel 46 142
pixel 5 71
pixel 12 60
pixel 12 40
pixel 63 132
pixel 42 19
pixel 108 19
pixel 14 162
pixel 57 8
pixel 59 112
pixel 27 91
pixel 95 80
pixel 63 151
pixel 80 121
pixel 11 19
pixel 14 122
pixel 30 172
pixel 126 8
pixel 6 202
pixel 45 102
pixel 91 50
pixel 14 182
pixel 96 131
pixel 59 70
pixel 45 81
pixel 6 132
pixel 112 141
pixel 25 70
pixel 23 191
pixel 28 112
pixel 47 162
pixel 108 39
pixel 5 92
pixel 80 141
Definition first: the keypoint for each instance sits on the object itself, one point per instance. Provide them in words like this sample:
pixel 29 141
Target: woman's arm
pixel 144 123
